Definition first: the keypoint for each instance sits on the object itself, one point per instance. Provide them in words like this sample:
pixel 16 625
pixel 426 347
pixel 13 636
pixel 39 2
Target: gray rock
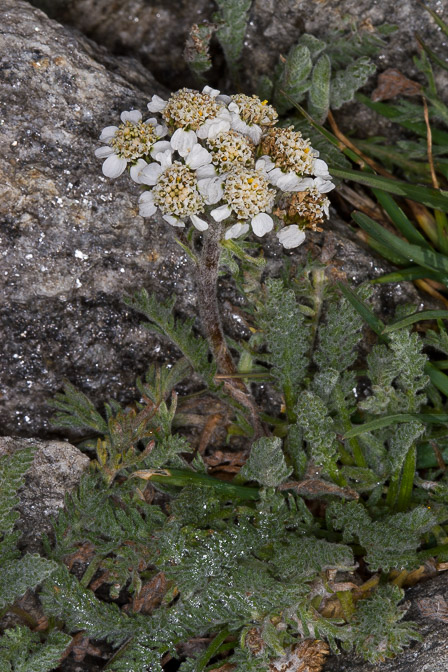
pixel 72 242
pixel 429 609
pixel 56 470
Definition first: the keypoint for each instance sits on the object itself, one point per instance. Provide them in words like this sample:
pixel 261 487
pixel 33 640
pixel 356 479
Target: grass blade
pixel 438 378
pixel 422 256
pixel 389 420
pixel 409 274
pixel 363 309
pixel 403 224
pixel 433 198
pixel 416 317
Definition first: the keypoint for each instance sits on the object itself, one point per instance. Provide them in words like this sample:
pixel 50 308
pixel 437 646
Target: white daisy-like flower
pixel 250 115
pixel 291 236
pixel 290 181
pixel 247 196
pixel 191 110
pixel 129 142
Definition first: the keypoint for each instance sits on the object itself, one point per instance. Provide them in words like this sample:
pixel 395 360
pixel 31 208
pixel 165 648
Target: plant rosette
pixel 207 158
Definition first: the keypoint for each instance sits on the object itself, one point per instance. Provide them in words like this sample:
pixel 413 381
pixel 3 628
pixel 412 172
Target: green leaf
pixel 18 576
pixel 232 16
pixel 403 224
pixel 414 253
pixel 294 81
pixel 196 53
pixel 433 198
pixel 23 651
pixel 319 93
pixel 346 82
pixel 377 631
pixel 366 313
pixel 416 317
pixel 389 420
pixel 13 468
pixel 266 463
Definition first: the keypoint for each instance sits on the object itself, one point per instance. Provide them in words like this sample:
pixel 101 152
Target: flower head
pixel 309 208
pixel 250 115
pixel 231 149
pixel 247 196
pixel 129 142
pixel 288 150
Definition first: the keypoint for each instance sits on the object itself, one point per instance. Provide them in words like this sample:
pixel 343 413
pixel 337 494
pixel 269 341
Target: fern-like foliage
pixel 377 630
pixel 17 574
pixel 22 650
pixel 232 20
pixel 390 542
pixel 161 320
pixel 287 336
pixel 327 71
pixel 76 411
pixel 266 463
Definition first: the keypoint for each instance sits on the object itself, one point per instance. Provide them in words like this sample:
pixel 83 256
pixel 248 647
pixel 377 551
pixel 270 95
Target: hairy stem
pixel 207 282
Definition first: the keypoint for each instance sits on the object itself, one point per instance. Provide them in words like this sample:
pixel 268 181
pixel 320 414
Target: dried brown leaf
pixel 150 595
pixel 393 83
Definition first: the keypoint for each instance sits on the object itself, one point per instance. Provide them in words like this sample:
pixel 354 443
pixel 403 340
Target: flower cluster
pixel 208 158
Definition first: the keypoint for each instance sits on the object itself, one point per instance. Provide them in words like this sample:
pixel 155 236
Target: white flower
pixel 247 196
pixel 128 143
pixel 236 230
pixel 175 192
pixel 215 125
pixel 291 236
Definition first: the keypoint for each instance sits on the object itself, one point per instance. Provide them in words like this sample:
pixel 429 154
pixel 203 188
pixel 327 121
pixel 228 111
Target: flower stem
pixel 207 283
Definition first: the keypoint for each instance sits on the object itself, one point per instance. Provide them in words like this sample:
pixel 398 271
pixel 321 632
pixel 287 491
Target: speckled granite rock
pixel 429 609
pixel 72 242
pixel 56 471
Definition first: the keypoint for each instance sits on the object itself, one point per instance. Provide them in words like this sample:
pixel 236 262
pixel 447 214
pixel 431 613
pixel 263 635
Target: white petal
pixel 132 115
pixel 205 171
pixel 224 99
pixel 103 152
pixel 320 168
pixel 324 186
pixel 156 104
pixel 198 223
pixel 183 141
pixel 210 92
pixel 233 107
pixel 262 223
pixel 291 236
pixel 165 158
pixel 161 130
pixel 174 221
pixel 108 133
pixel 152 121
pixel 236 231
pixel 211 190
pixel 221 213
pixel 275 175
pixel 160 146
pixel 305 183
pixel 136 169
pixel 146 204
pixel 288 182
pixel 114 166
pixel 265 164
pixel 198 157
pixel 218 126
pixel 150 174
pixel 254 133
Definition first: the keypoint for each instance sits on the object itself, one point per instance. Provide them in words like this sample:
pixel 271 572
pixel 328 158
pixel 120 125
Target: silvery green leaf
pixel 266 463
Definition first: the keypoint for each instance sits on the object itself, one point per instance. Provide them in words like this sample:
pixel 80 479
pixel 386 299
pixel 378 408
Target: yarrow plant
pixel 220 163
pixel 209 158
